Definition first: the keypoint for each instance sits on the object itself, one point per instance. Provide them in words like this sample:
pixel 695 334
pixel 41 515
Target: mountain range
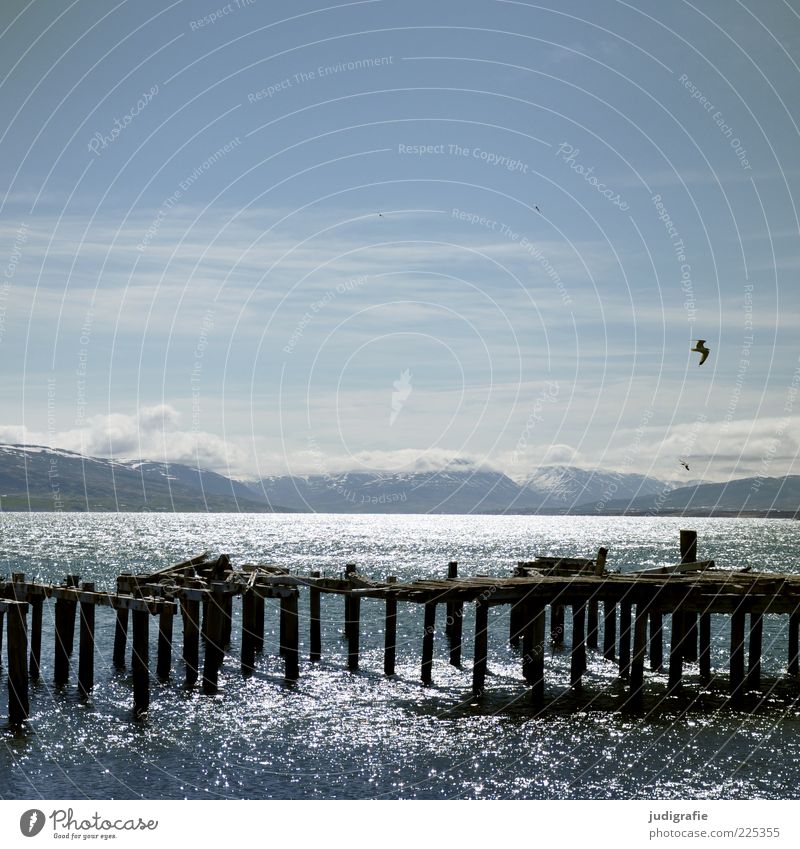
pixel 38 478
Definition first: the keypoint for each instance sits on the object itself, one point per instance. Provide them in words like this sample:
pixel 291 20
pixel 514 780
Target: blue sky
pixel 228 230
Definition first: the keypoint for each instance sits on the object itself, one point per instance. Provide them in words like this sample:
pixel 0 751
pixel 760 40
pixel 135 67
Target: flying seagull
pixel 701 349
pixel 684 464
pixel 536 208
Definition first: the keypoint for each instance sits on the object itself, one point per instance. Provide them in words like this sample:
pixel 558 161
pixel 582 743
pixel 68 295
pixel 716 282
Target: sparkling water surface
pixel 336 734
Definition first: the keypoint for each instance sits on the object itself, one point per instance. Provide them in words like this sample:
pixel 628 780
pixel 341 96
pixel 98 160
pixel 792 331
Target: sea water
pixel 337 734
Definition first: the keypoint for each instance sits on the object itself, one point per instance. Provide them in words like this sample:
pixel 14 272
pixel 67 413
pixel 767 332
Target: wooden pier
pixel 202 590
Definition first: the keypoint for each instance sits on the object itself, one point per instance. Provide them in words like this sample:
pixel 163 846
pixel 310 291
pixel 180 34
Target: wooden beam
pixel 390 635
pixel 17 653
pixel 214 654
pixel 190 608
pixel 86 650
pixel 315 622
pixel 533 656
pixel 140 660
pixel 452 575
pixel 354 635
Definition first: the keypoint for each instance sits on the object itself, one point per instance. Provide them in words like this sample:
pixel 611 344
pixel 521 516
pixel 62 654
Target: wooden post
pixel 164 652
pixel 191 639
pixel 227 621
pixel 688 546
pixel 120 637
pixel 481 646
pixel 86 650
pixel 591 624
pixel 72 611
pixel 705 648
pixel 793 667
pixel 204 622
pixel 557 624
pixel 292 635
pixel 214 654
pixel 676 652
pixel 687 623
pixel 639 652
pixel 656 640
pixel 624 639
pixel 140 659
pixel 349 570
pixel 690 636
pixel 515 623
pixel 753 681
pixel 390 635
pixel 578 655
pixel 315 620
pixel 259 624
pixel 2 620
pixel 609 629
pixel 248 633
pixel 737 655
pixel 427 642
pixel 37 603
pixel 452 575
pixel 354 632
pixel 64 628
pixel 17 651
pixel 533 651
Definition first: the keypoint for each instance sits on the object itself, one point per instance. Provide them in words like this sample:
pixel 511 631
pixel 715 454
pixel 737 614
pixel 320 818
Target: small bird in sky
pixel 701 349
pixel 380 215
pixel 536 208
pixel 684 464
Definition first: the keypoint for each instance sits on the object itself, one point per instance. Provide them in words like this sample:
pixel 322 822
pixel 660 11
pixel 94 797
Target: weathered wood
pixel 214 654
pixel 354 635
pixel 190 608
pixel 737 655
pixel 688 546
pixel 86 650
pixel 591 624
pixel 248 633
pixel 639 652
pixel 289 615
pixel 578 655
pixel 258 640
pixel 676 651
pixel 609 629
pixel 17 654
pixel 34 667
pixel 624 639
pixel 64 629
pixel 227 621
pixel 793 667
pixel 704 655
pixel 600 561
pixel 390 635
pixel 753 680
pixel 557 624
pixel 456 631
pixel 427 642
pixel 481 647
pixel 315 623
pixel 452 574
pixel 533 655
pixel 120 637
pixel 656 640
pixel 204 621
pixel 2 620
pixel 140 661
pixel 690 637
pixel 164 650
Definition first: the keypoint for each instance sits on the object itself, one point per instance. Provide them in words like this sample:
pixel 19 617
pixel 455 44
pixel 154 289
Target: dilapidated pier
pixel 202 590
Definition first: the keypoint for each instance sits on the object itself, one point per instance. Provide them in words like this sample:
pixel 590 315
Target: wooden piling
pixel 676 652
pixel 624 639
pixel 481 646
pixel 737 655
pixel 704 655
pixel 639 652
pixel 227 621
pixel 17 653
pixel 289 615
pixel 258 640
pixel 534 651
pixel 120 637
pixel 34 667
pixel 452 575
pixel 315 622
pixel 427 642
pixel 557 624
pixel 140 660
pixel 578 654
pixel 793 667
pixel 164 651
pixel 688 546
pixel 86 649
pixel 591 624
pixel 248 633
pixel 753 680
pixel 455 619
pixel 656 640
pixel 354 634
pixel 64 630
pixel 2 620
pixel 609 629
pixel 390 633
pixel 190 609
pixel 212 660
